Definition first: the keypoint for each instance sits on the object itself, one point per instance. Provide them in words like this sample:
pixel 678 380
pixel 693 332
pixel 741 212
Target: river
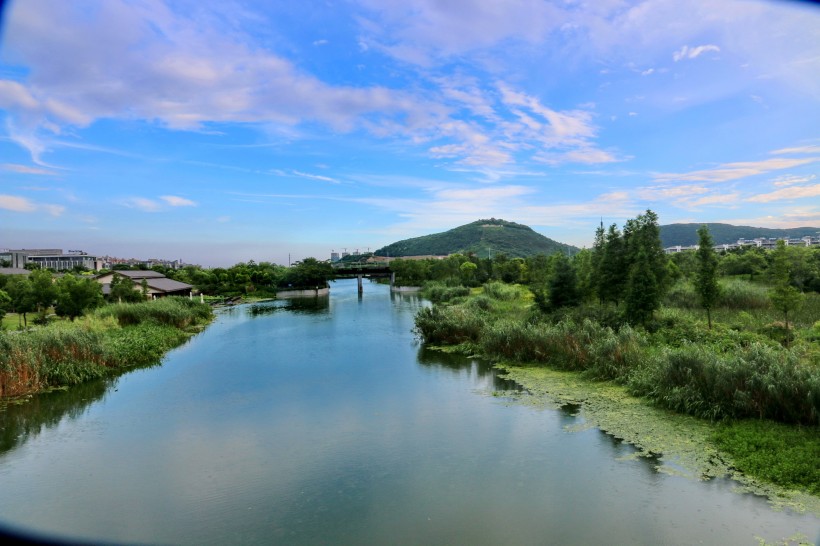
pixel 323 421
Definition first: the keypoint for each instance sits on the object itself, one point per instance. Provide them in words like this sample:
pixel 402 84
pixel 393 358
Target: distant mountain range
pixel 492 237
pixel 687 234
pixel 483 238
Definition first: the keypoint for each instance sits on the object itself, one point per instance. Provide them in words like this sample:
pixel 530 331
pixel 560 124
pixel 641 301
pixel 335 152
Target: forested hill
pixel 687 234
pixel 482 237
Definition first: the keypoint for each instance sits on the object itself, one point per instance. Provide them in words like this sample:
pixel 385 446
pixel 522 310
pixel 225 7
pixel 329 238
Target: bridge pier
pixel 392 279
pixel 359 282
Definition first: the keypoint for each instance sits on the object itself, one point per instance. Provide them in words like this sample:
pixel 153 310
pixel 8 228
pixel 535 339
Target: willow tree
pixel 706 278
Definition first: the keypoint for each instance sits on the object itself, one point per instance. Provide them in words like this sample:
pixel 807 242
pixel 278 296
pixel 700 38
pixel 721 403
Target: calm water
pixel 325 423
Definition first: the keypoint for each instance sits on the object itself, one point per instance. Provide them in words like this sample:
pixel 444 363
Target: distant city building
pixel 768 243
pixel 334 257
pixel 51 258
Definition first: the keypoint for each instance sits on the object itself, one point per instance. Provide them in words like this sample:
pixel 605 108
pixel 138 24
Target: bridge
pixel 360 270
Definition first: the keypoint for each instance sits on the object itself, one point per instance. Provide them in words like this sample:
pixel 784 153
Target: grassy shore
pixel 102 343
pixel 762 398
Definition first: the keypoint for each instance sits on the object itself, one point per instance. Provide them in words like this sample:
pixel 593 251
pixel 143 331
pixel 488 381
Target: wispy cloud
pixel 25 169
pixel 798 150
pixel 176 201
pixel 791 192
pixel 15 203
pixel 734 171
pixel 315 177
pixel 142 203
pixel 687 52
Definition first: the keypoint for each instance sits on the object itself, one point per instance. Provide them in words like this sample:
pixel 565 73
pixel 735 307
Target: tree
pixel 706 279
pixel 613 268
pixel 784 297
pixel 5 304
pixel 642 291
pixel 468 270
pixel 18 287
pixel 75 295
pixel 43 291
pixel 307 274
pixel 563 285
pixel 122 290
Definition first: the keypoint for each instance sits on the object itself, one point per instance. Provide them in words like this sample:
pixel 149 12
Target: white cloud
pixel 687 52
pixel 16 203
pixel 176 201
pixel 791 179
pixel 791 192
pixel 25 169
pixel 798 150
pixel 315 177
pixel 734 171
pixel 142 203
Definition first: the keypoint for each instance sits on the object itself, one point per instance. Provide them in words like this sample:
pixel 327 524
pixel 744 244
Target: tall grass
pixel 117 336
pixel 715 374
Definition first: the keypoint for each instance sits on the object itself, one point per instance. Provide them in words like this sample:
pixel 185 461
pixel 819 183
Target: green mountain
pixel 483 238
pixel 687 234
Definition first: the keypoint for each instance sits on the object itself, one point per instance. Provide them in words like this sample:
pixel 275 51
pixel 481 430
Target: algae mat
pixel 681 444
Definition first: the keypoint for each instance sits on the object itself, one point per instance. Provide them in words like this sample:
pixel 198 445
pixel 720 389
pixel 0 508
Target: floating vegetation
pixel 683 445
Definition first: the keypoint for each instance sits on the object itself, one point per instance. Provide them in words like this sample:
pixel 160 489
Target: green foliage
pixel 308 274
pixel 68 353
pixel 781 454
pixel 643 292
pixel 123 290
pixel 173 311
pixel 440 293
pixel 742 294
pixel 449 324
pixel 706 281
pixel 502 292
pixel 484 238
pixel 5 303
pixel 785 297
pixel 75 295
pixel 613 268
pixel 563 285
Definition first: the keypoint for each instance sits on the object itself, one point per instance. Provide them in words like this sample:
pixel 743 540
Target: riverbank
pixel 726 378
pixel 105 342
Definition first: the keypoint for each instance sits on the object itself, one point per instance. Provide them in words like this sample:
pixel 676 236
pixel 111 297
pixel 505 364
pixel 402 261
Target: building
pixel 51 258
pixel 158 285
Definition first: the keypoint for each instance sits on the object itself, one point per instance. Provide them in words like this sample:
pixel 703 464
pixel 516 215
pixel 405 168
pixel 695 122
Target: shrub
pixel 448 324
pixel 440 293
pixel 742 294
pixel 501 291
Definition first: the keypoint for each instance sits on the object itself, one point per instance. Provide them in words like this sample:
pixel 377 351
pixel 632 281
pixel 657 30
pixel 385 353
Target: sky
pixel 218 132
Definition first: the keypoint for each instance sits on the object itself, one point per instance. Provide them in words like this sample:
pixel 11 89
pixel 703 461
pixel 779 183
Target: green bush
pixel 449 325
pixel 174 311
pixel 438 292
pixel 742 294
pixel 501 291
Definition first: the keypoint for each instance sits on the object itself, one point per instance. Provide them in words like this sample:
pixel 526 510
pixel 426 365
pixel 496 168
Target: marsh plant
pixel 112 338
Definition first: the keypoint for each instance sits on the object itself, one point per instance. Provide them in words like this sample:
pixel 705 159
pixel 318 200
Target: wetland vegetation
pixel 738 352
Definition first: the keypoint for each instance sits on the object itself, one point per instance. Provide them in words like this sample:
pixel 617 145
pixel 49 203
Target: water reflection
pixel 459 364
pixel 21 421
pixel 311 305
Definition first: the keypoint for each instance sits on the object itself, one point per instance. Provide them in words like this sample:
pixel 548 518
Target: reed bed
pixel 112 338
pixel 716 374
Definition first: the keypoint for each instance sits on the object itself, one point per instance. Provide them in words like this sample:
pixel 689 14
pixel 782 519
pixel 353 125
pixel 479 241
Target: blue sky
pixel 219 132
